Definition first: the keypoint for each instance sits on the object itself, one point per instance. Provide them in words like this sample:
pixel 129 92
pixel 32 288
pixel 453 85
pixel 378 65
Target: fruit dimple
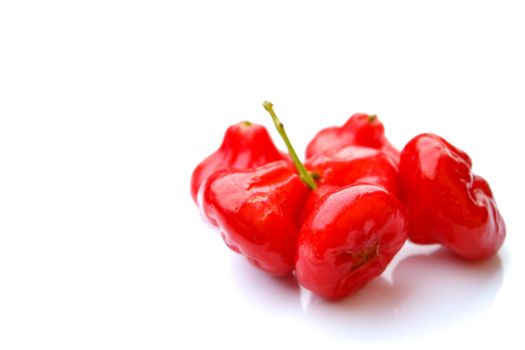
pixel 357 258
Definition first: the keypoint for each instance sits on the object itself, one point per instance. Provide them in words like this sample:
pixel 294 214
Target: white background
pixel 106 107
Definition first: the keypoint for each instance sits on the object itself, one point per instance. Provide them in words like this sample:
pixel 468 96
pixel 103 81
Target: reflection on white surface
pixel 424 289
pixel 273 294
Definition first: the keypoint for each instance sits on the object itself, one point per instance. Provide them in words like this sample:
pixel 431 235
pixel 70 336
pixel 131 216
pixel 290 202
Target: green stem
pixel 304 174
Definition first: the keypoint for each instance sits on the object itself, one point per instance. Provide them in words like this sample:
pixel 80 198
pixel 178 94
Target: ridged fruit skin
pixel 245 145
pixel 359 130
pixel 349 239
pixel 258 212
pixel 446 202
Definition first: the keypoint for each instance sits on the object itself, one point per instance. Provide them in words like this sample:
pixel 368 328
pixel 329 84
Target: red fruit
pixel 447 204
pixel 257 212
pixel 245 145
pixel 355 164
pixel 351 165
pixel 349 239
pixel 360 130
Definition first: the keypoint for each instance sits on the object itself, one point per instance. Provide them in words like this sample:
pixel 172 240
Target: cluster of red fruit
pixel 338 219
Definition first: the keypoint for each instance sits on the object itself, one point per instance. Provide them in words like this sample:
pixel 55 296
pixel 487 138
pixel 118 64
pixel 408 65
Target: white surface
pixel 106 106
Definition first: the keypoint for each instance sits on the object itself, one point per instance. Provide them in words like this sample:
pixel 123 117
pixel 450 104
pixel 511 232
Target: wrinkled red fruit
pixel 257 212
pixel 355 164
pixel 245 145
pixel 349 239
pixel 351 165
pixel 360 130
pixel 447 204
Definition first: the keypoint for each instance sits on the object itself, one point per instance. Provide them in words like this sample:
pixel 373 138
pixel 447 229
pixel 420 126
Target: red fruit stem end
pixel 304 174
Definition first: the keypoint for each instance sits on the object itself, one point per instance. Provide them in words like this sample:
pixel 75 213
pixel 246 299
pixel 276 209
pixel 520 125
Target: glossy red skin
pixel 447 204
pixel 360 130
pixel 257 212
pixel 351 165
pixel 244 146
pixel 356 164
pixel 349 239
